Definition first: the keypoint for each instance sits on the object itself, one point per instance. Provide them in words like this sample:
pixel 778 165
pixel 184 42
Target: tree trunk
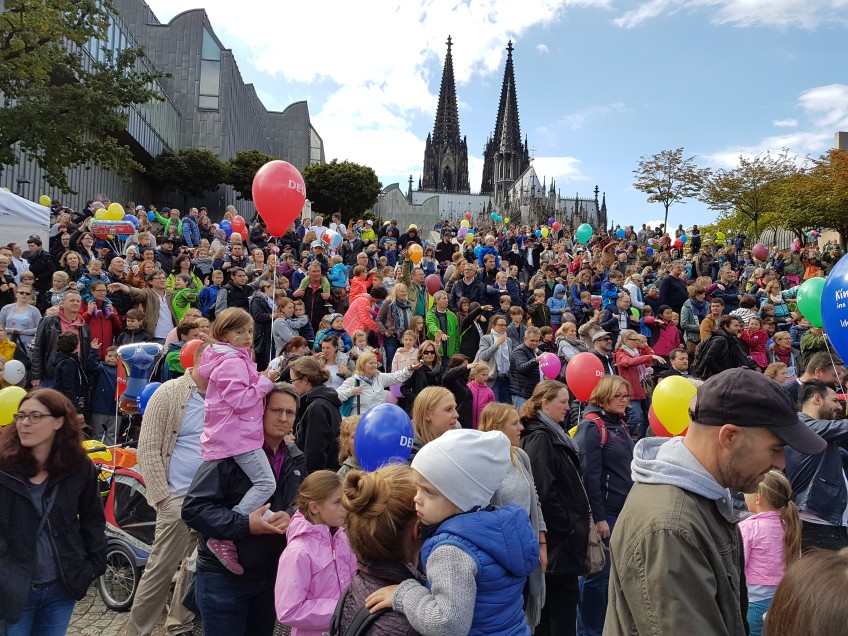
pixel 665 220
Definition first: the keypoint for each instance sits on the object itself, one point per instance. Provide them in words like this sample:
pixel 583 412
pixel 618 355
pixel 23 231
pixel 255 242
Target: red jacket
pixel 627 369
pixel 104 324
pixel 358 316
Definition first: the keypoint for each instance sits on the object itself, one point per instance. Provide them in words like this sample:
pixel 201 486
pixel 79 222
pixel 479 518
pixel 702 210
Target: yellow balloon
pixel 465 223
pixel 10 400
pixel 44 200
pixel 116 207
pixel 415 253
pixel 544 231
pixel 100 215
pixel 506 221
pixel 671 403
pixel 114 215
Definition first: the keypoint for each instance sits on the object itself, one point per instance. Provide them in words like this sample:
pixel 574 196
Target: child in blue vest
pixel 476 558
pixel 611 288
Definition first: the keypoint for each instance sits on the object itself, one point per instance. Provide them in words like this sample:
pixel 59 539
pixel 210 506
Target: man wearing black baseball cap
pixel 677 558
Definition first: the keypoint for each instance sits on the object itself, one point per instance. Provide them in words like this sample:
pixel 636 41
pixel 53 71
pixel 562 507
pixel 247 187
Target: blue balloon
pixel 649 250
pixel 683 238
pixel 131 218
pixel 538 233
pixel 145 394
pixel 151 217
pixel 620 232
pixel 227 227
pixel 477 250
pixel 383 436
pixel 834 307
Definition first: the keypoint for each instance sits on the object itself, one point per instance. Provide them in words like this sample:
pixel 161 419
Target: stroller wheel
pixel 117 586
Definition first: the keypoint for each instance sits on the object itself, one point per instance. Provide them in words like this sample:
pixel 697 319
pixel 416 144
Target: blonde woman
pixel 367 385
pixel 347 431
pixel 433 413
pixel 518 487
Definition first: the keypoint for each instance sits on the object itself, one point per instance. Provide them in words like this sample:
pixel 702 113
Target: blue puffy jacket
pixel 103 393
pixel 506 550
pixel 558 304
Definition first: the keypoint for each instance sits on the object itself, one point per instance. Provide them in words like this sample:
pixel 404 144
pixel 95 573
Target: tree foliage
pixel 242 168
pixel 345 187
pixel 191 172
pixel 668 177
pixel 59 107
pixel 750 188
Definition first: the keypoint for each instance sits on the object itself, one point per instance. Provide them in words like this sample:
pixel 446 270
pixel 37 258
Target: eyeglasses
pixel 283 413
pixel 293 379
pixel 428 353
pixel 23 293
pixel 617 396
pixel 35 417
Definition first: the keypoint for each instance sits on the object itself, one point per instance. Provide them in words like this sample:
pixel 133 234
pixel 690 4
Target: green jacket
pixel 182 300
pixel 165 222
pixel 433 326
pixel 677 567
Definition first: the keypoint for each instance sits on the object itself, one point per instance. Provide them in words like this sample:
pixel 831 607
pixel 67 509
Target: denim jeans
pixel 518 402
pixel 390 344
pixel 234 606
pixel 47 613
pixel 637 419
pixel 594 594
pixel 820 535
pixel 756 611
pixel 501 390
pixel 256 466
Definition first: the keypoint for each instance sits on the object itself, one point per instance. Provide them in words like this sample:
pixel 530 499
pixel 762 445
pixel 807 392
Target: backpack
pixel 599 422
pixel 697 367
pixel 361 622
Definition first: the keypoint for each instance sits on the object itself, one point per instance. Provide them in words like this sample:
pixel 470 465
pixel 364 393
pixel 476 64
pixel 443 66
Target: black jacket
pixel 76 527
pixel 565 508
pixel 262 319
pixel 456 381
pixel 523 371
pixel 475 291
pixel 607 361
pixel 818 481
pixel 673 293
pixel 606 469
pixel 220 485
pixel 722 351
pixel 317 428
pixel 44 355
pixel 42 267
pixel 420 379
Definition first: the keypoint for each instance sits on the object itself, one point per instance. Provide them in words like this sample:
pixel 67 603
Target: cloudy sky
pixel 600 82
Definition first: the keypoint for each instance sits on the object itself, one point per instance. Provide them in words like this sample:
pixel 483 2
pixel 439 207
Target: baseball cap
pixel 601 334
pixel 749 399
pixel 316 244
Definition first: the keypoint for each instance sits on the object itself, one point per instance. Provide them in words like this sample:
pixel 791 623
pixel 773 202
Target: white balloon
pixel 14 371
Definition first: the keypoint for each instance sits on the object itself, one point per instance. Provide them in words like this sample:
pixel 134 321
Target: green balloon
pixel 809 300
pixel 634 312
pixel 584 233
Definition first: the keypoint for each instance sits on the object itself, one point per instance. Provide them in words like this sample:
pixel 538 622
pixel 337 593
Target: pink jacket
pixel 668 337
pixel 234 402
pixel 762 538
pixel 481 395
pixel 358 316
pixel 314 570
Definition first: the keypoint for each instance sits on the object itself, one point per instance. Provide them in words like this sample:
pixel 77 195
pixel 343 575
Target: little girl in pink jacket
pixel 317 564
pixel 235 406
pixel 481 394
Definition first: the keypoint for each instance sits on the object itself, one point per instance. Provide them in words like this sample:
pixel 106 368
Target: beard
pixel 738 472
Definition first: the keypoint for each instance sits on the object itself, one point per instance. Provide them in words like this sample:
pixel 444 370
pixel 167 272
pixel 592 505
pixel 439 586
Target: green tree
pixel 242 168
pixel 59 107
pixel 668 177
pixel 749 188
pixel 345 187
pixel 190 172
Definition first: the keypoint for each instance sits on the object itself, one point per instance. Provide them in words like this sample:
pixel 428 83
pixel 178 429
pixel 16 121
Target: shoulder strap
pixel 50 498
pixel 602 427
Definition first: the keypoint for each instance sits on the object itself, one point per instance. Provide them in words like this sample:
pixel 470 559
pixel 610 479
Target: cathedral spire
pixel 507 125
pixel 446 153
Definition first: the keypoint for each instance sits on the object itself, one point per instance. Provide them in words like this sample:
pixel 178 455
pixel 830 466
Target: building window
pixel 210 73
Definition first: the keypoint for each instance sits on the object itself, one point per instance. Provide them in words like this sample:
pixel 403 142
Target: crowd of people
pixel 248 455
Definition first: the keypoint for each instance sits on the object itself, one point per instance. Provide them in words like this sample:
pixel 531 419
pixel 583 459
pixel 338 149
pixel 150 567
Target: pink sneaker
pixel 226 553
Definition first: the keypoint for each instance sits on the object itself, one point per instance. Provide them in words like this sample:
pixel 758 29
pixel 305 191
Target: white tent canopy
pixel 21 218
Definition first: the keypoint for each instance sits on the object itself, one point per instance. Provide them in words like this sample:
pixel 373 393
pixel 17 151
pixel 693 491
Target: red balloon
pixel 243 234
pixel 678 244
pixel 279 194
pixel 238 224
pixel 656 425
pixel 187 353
pixel 760 252
pixel 468 215
pixel 433 283
pixel 555 227
pixel 582 375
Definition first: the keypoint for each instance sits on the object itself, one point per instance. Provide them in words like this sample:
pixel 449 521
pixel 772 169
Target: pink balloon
pixel 760 252
pixel 279 194
pixel 550 365
pixel 433 283
pixel 395 391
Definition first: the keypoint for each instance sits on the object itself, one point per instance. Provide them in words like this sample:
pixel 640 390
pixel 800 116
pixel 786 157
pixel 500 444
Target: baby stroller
pixel 130 523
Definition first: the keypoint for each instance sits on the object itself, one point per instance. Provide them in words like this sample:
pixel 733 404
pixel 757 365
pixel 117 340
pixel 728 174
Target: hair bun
pixel 365 494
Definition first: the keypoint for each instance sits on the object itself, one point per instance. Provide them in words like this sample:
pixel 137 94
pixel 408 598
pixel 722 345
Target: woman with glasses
pixel 555 461
pixel 428 374
pixel 52 527
pixel 634 359
pixel 21 318
pixel 496 350
pixel 606 450
pixel 319 417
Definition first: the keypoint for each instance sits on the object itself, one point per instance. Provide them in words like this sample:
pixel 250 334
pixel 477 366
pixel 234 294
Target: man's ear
pixel 729 434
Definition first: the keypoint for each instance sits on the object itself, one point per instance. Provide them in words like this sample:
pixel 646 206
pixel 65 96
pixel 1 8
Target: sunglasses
pixel 23 293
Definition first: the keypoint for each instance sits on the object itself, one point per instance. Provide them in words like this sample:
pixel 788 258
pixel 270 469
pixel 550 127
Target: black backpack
pixel 361 622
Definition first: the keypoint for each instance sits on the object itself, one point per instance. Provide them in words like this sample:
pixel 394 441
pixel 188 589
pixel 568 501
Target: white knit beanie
pixel 465 465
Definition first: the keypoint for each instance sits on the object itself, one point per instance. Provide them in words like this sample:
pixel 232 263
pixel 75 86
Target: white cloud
pixel 825 108
pixel 807 14
pixel 542 48
pixel 565 170
pixel 785 123
pixel 377 59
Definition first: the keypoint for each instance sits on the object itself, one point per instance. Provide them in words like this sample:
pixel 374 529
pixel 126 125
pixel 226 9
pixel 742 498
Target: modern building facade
pixel 206 104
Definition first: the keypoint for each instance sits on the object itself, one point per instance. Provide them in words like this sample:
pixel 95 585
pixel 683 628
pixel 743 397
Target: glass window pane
pixel 209 103
pixel 210 50
pixel 210 75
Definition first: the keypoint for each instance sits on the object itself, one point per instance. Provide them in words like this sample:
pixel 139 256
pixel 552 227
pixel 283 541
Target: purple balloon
pixel 462 232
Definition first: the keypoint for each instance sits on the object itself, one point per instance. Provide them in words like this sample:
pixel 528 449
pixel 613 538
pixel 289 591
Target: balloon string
pixel 833 362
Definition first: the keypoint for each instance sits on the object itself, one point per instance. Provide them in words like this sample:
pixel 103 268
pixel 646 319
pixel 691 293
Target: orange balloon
pixel 415 253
